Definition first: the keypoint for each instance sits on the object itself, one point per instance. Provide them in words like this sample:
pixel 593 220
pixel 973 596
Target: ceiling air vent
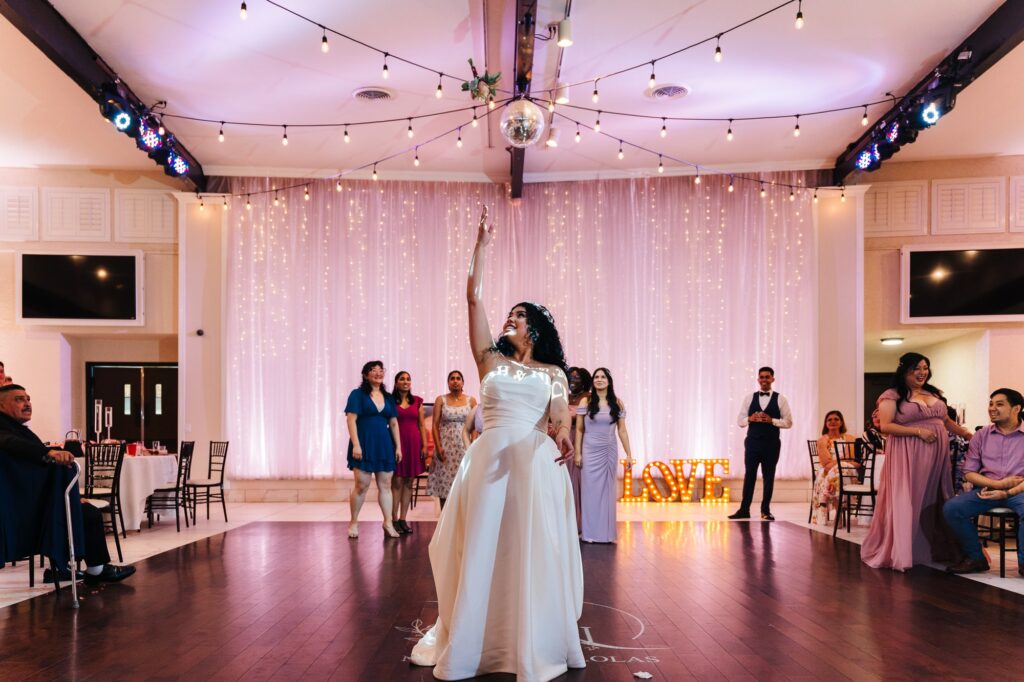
pixel 664 92
pixel 373 95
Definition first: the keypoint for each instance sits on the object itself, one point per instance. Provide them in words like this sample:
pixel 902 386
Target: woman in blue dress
pixel 374 446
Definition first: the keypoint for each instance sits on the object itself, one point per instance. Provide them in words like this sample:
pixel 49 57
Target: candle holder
pixel 108 419
pixel 97 418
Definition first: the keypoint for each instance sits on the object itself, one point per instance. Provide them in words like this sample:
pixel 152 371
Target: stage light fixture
pixel 148 139
pixel 115 107
pixel 930 114
pixel 561 93
pixel 553 133
pixel 864 160
pixel 564 33
pixel 176 164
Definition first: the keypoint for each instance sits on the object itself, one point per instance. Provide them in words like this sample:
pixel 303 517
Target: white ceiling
pixel 206 62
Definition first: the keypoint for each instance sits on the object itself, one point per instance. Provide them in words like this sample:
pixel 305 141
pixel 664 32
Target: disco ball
pixel 522 123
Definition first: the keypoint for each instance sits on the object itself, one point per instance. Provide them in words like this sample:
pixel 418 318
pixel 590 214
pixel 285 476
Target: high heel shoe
pixel 403 527
pixel 353 531
pixel 390 532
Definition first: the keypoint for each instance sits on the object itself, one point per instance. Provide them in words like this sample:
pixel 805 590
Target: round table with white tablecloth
pixel 140 476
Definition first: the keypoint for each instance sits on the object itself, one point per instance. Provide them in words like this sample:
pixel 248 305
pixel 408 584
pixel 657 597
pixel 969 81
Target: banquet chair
pixel 103 464
pixel 990 532
pixel 856 464
pixel 211 487
pixel 812 447
pixel 419 487
pixel 173 495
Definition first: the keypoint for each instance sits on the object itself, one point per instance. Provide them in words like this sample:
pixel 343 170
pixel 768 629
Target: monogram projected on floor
pixel 598 646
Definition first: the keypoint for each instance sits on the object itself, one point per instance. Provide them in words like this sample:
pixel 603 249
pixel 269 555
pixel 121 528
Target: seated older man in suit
pixel 17 441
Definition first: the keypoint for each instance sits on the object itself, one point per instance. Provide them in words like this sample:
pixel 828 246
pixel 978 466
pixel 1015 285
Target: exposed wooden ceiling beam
pixel 525 29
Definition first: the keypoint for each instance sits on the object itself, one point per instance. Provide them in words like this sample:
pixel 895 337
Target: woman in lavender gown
pixel 600 418
pixel 908 527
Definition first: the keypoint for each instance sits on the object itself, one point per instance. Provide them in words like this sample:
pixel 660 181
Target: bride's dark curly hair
pixel 547 345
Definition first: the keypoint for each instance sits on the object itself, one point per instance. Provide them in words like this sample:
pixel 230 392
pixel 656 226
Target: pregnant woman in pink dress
pixel 908 527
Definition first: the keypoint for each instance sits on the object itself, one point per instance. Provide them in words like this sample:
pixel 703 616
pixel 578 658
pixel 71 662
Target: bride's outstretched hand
pixel 565 449
pixel 486 232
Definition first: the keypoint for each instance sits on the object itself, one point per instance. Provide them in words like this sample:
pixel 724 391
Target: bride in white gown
pixel 505 554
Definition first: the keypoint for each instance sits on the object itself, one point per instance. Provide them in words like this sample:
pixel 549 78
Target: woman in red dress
pixel 413 434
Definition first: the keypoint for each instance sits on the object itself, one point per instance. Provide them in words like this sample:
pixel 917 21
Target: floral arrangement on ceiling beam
pixel 481 87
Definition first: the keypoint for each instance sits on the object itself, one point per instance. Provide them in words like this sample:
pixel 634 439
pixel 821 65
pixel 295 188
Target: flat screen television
pixel 80 288
pixel 962 283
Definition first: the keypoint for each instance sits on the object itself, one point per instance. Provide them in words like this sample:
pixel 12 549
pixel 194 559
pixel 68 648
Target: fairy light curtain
pixel 681 290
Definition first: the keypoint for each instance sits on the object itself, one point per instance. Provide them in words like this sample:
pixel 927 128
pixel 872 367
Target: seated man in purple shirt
pixel 995 465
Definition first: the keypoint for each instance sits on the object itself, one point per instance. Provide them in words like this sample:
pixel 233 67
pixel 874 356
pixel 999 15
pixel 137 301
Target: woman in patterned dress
pixel 450 413
pixel 826 485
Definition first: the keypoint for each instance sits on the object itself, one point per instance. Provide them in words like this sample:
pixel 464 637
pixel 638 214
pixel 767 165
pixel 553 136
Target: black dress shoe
pixel 740 514
pixel 767 516
pixel 968 565
pixel 64 574
pixel 110 574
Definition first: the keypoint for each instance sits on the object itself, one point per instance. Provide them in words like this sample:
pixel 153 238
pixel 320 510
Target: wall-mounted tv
pixel 962 283
pixel 80 288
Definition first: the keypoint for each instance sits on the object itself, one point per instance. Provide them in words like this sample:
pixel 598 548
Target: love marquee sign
pixel 681 481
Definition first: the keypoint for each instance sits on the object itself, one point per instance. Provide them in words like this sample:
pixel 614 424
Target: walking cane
pixel 71 536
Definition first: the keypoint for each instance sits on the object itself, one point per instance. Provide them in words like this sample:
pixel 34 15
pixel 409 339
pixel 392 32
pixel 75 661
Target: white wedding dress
pixel 505 554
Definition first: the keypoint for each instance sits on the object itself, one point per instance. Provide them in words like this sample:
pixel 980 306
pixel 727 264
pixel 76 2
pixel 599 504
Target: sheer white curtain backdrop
pixel 681 290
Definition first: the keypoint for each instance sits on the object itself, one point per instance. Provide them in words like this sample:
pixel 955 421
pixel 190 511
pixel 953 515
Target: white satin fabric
pixel 505 554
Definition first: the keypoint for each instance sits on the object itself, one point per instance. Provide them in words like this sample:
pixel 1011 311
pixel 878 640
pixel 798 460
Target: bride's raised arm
pixel 479 331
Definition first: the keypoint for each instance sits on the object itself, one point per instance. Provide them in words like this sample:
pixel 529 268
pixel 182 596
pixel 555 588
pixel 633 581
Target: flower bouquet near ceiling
pixel 481 87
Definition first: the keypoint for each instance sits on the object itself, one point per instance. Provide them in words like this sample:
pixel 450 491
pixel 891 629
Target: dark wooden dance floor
pixel 679 600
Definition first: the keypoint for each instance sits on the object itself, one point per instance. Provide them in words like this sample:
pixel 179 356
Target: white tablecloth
pixel 140 476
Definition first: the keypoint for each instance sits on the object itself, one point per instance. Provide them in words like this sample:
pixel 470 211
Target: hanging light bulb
pixel 578 137
pixel 864 120
pixel 664 128
pixel 202 206
pixel 621 154
pixel 346 135
pixel 731 188
pixel 763 193
pixel 277 201
pixel 474 123
pixel 551 105
pixel 718 48
pixel 792 195
pixel 248 204
pixel 337 185
pixel 728 133
pixel 416 157
pixel 374 176
pixel 490 102
pixel 243 12
pixel 160 128
pixel 661 165
pixel 696 180
pixel 324 46
pixel 799 15
pixel 305 194
pixel 225 206
pixel 815 196
pixel 284 139
pixel 597 123
pixel 409 132
pixel 458 140
pixel 439 93
pixel 594 97
pixel 652 81
pixel 842 197
pixel 384 71
pixel 796 128
pixel 220 135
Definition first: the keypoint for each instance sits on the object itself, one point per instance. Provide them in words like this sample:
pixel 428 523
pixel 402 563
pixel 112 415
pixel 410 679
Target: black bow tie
pixel 766 392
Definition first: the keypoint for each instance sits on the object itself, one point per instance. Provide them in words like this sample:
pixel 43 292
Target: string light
pixel 306 193
pixel 594 97
pixel 864 120
pixel 696 180
pixel 597 123
pixel 160 128
pixel 277 202
pixel 652 81
pixel 621 154
pixel 796 129
pixel 337 185
pixel 439 93
pixel 728 133
pixel 243 12
pixel 792 195
pixel 815 196
pixel 374 176
pixel 458 140
pixel 225 206
pixel 664 128
pixel 220 135
pixel 346 135
pixel 409 132
pixel 416 158
pixel 718 48
pixel 578 136
pixel 799 15
pixel 474 123
pixel 324 46
pixel 842 197
pixel 551 105
pixel 661 166
pixel 731 188
pixel 763 193
pixel 284 139
pixel 202 206
pixel 248 204
pixel 490 103
pixel 384 71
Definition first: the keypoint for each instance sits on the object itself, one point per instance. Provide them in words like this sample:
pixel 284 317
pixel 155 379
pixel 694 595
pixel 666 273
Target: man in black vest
pixel 763 416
